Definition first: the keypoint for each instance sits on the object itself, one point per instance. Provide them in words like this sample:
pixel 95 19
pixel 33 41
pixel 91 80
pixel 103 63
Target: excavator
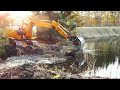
pixel 27 32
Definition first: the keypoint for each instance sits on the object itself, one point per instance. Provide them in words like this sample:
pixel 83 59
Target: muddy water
pixel 102 57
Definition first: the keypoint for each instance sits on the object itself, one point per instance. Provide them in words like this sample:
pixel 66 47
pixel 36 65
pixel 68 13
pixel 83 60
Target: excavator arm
pixel 60 29
pixel 28 29
pixel 53 24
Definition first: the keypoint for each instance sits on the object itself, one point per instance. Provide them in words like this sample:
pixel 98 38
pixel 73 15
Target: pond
pixel 103 58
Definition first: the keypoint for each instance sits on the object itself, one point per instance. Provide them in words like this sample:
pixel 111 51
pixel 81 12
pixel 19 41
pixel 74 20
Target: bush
pixel 2 51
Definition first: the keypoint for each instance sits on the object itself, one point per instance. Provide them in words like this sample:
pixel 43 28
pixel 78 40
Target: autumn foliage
pixel 5 21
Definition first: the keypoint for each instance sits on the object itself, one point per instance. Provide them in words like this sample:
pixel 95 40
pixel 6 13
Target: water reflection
pixel 103 58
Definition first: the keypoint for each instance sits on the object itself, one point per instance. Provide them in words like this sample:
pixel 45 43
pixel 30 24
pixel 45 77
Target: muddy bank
pixel 51 65
pixel 98 32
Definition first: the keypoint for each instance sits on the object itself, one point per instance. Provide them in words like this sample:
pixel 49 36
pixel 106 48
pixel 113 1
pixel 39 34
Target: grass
pixel 2 50
pixel 3 40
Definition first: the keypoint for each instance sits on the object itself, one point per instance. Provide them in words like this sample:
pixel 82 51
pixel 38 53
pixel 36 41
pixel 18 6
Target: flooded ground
pixel 103 58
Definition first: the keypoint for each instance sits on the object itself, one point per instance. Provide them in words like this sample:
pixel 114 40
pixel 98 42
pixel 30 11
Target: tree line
pixel 82 18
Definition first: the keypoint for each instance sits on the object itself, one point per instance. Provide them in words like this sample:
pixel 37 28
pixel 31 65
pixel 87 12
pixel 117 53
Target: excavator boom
pixel 28 29
pixel 59 29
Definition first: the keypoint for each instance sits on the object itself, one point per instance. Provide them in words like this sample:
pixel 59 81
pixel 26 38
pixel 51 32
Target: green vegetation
pixel 2 50
pixel 82 18
pixel 3 41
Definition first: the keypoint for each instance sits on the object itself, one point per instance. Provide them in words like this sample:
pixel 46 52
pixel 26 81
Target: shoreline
pixel 98 32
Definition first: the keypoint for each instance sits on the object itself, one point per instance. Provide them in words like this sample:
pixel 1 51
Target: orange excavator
pixel 27 32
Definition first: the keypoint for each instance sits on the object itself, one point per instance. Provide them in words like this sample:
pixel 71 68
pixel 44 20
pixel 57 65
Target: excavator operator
pixel 20 32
